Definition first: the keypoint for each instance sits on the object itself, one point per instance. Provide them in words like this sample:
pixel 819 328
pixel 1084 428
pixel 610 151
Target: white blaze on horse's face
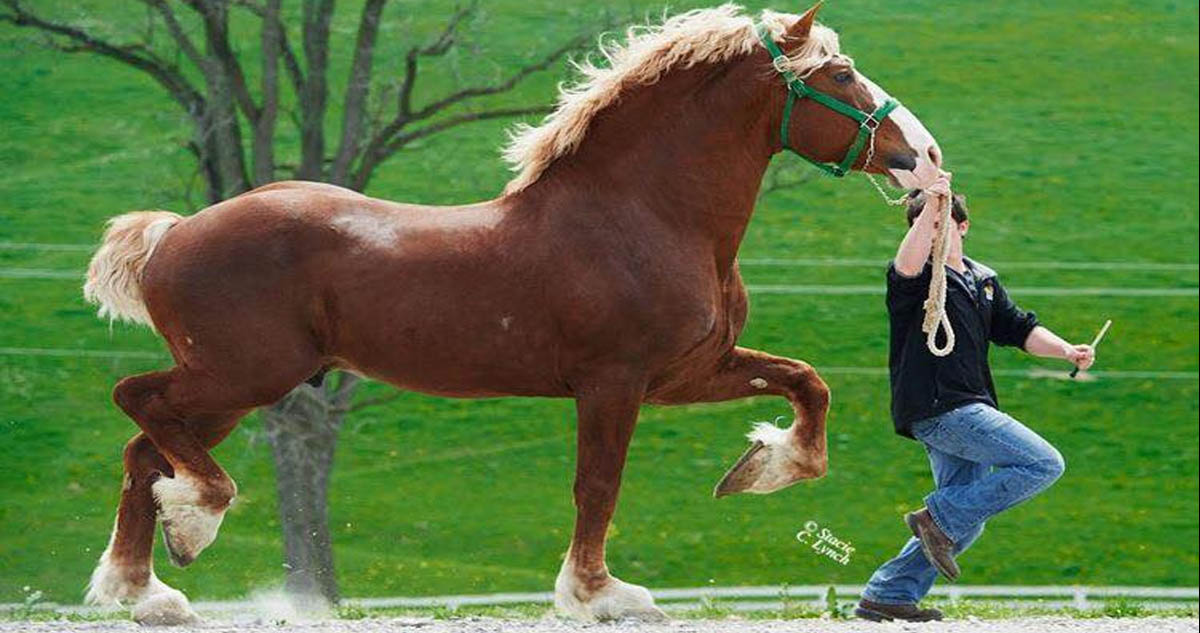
pixel 929 155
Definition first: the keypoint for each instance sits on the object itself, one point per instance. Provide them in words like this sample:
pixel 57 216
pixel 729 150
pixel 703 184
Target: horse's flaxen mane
pixel 649 51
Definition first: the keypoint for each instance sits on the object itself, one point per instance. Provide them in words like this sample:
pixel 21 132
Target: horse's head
pixel 893 142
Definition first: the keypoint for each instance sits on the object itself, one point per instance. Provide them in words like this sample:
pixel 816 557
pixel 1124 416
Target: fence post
pixel 1081 601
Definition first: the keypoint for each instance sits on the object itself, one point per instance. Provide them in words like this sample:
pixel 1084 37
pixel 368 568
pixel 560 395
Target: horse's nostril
pixel 902 161
pixel 935 155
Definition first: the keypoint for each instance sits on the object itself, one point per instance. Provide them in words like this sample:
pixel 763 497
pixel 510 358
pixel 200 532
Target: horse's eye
pixel 844 77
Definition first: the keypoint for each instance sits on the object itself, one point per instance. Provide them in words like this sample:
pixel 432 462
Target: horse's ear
pixel 801 28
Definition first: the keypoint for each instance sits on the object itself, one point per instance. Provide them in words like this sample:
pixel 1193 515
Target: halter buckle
pixel 780 63
pixel 871 123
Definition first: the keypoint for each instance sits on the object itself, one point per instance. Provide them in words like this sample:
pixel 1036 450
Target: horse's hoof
pixel 741 476
pixel 614 600
pixel 188 524
pixel 163 606
pixel 179 558
pixel 653 614
pixel 772 462
pixel 164 609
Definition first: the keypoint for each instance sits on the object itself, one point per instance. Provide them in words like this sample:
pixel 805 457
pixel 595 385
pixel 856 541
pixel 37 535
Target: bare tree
pixel 197 65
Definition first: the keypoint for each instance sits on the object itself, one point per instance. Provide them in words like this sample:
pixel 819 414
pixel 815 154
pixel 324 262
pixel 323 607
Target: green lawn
pixel 1072 126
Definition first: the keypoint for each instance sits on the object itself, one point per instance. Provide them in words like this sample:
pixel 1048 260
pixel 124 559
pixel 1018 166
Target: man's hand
pixel 918 242
pixel 941 185
pixel 1043 342
pixel 1082 356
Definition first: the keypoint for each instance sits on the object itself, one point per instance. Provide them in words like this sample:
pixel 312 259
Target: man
pixel 983 461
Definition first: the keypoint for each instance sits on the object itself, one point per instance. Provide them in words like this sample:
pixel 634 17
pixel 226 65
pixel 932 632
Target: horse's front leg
pixel 607 410
pixel 777 457
pixel 125 574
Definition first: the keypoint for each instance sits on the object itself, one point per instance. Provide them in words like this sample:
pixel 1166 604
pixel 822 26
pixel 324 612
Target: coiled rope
pixel 935 304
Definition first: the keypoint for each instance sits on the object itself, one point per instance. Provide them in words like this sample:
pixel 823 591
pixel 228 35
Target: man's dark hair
pixel 916 203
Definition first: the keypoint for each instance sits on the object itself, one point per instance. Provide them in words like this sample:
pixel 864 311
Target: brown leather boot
pixel 938 548
pixel 877 612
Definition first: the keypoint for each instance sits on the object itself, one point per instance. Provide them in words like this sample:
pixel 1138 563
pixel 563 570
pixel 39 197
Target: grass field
pixel 1071 125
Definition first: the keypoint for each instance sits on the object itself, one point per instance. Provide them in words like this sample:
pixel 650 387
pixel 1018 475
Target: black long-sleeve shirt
pixel 980 311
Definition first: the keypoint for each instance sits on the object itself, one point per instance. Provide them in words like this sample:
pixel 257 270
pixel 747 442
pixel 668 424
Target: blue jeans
pixel 984 462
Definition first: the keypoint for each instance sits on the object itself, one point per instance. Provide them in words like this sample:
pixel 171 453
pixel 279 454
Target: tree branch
pixel 390 138
pixel 317 17
pixel 404 139
pixel 357 88
pixel 263 147
pixel 497 88
pixel 176 31
pixel 215 15
pixel 290 62
pixel 439 46
pixel 341 395
pixel 168 76
pixel 212 176
pixel 446 37
pixel 372 160
pixel 435 48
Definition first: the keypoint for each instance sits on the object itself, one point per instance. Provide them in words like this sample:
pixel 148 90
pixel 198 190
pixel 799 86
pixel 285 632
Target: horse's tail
pixel 115 273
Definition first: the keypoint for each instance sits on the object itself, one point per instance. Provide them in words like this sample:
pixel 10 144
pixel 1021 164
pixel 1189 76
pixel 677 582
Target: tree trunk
pixel 302 429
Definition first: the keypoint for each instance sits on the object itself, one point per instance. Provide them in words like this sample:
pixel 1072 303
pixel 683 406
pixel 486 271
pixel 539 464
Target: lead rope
pixel 935 303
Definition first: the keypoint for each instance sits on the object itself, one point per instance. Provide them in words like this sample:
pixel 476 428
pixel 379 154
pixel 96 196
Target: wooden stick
pixel 1095 342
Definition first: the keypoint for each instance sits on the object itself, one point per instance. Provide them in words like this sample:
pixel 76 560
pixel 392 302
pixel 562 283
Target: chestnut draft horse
pixel 606 272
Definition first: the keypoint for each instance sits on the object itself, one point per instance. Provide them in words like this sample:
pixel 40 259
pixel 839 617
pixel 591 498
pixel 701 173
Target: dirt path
pixel 490 625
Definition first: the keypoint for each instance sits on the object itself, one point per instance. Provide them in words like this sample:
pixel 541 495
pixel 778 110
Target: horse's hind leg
pixel 777 457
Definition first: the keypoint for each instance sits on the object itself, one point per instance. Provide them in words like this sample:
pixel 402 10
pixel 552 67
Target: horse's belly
pixel 451 347
pixel 428 371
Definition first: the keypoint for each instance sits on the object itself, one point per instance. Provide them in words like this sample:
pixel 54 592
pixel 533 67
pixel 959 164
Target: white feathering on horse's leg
pixel 770 434
pixel 108 585
pixel 151 603
pixel 615 600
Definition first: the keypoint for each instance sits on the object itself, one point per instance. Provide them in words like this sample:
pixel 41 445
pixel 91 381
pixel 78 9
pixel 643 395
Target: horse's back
pixel 305 185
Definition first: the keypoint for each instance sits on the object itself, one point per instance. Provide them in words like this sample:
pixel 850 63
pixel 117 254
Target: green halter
pixel 868 122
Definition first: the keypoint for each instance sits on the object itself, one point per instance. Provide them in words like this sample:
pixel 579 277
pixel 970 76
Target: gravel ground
pixel 491 625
